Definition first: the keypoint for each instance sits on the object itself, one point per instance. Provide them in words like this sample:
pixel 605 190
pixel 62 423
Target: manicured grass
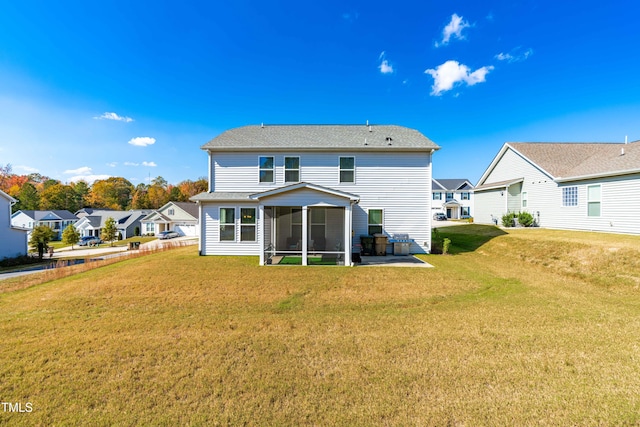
pixel 517 327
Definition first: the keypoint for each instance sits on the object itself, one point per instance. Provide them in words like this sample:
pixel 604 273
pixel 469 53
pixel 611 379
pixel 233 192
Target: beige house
pixel 181 217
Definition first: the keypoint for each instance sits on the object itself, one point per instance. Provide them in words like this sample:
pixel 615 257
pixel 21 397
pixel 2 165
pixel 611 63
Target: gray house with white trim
pixel 13 239
pixel 311 191
pixel 581 186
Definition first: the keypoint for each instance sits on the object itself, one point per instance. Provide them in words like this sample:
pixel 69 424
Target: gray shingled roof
pixel 189 207
pixel 574 160
pixel 451 184
pixel 321 138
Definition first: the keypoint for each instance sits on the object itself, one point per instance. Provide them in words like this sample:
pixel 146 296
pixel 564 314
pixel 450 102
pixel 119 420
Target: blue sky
pixel 133 89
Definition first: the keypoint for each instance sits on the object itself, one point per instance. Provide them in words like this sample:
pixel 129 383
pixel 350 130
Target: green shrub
pixel 525 219
pixel 507 219
pixel 445 246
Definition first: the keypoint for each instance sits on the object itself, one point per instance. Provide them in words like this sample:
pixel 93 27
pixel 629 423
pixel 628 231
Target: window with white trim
pixel 466 210
pixel 375 221
pixel 228 224
pixel 570 196
pixel 266 169
pixel 437 195
pixel 465 196
pixel 449 196
pixel 525 199
pixel 292 169
pixel 248 224
pixel 347 169
pixel 594 199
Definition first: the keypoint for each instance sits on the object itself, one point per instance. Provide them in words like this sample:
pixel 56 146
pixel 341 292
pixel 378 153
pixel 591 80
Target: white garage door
pixel 186 230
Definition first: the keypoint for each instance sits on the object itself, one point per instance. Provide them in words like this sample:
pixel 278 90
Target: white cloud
pixel 84 170
pixel 515 55
pixel 131 164
pixel 84 173
pixel 150 164
pixel 453 29
pixel 385 67
pixel 112 164
pixel 114 116
pixel 142 141
pixel 89 179
pixel 446 75
pixel 27 169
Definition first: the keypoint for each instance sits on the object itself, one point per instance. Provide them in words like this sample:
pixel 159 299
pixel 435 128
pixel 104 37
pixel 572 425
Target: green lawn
pixel 517 327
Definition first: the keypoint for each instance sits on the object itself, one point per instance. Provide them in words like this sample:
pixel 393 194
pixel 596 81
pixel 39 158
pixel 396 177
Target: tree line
pixel 38 192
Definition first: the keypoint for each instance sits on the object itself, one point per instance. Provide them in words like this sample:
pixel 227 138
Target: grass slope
pixel 529 327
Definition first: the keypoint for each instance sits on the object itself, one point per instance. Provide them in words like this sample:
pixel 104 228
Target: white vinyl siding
pixel 398 182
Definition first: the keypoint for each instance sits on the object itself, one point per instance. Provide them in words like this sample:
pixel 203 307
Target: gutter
pixel 597 175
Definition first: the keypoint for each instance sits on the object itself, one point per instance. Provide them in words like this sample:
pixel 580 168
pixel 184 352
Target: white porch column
pixel 347 234
pixel 260 231
pixel 305 222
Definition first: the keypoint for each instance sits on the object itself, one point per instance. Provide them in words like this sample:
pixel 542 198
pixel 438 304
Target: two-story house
pixel 452 197
pixel 308 192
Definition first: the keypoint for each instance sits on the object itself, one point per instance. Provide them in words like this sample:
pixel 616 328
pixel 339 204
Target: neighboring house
pixel 453 197
pixel 582 186
pixel 314 190
pixel 177 216
pixel 57 220
pixel 13 239
pixel 128 223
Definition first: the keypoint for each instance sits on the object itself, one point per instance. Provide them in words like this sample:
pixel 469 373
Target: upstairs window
pixel 465 196
pixel 593 200
pixel 292 169
pixel 570 196
pixel 449 196
pixel 347 169
pixel 524 199
pixel 375 221
pixel 171 212
pixel 437 196
pixel 266 169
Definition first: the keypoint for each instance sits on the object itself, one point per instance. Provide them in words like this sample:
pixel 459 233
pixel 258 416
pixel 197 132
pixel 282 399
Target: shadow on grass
pixel 465 238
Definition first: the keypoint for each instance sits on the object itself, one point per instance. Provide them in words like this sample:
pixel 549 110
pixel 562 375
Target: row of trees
pixel 38 192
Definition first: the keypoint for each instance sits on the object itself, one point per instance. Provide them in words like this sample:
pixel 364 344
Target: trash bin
pixel 380 244
pixel 367 245
pixel 134 246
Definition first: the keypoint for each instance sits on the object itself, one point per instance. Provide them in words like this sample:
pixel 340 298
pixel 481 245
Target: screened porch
pixel 306 235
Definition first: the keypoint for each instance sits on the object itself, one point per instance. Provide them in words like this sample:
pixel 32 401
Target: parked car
pixel 439 216
pixel 90 241
pixel 168 235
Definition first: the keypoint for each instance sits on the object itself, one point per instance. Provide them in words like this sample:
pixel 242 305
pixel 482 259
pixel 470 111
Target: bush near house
pixel 510 219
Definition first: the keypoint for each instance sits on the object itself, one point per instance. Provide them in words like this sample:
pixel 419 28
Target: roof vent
pixel 622 151
pixel 262 125
pixel 388 139
pixel 370 130
pixel 367 122
pixel 365 142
